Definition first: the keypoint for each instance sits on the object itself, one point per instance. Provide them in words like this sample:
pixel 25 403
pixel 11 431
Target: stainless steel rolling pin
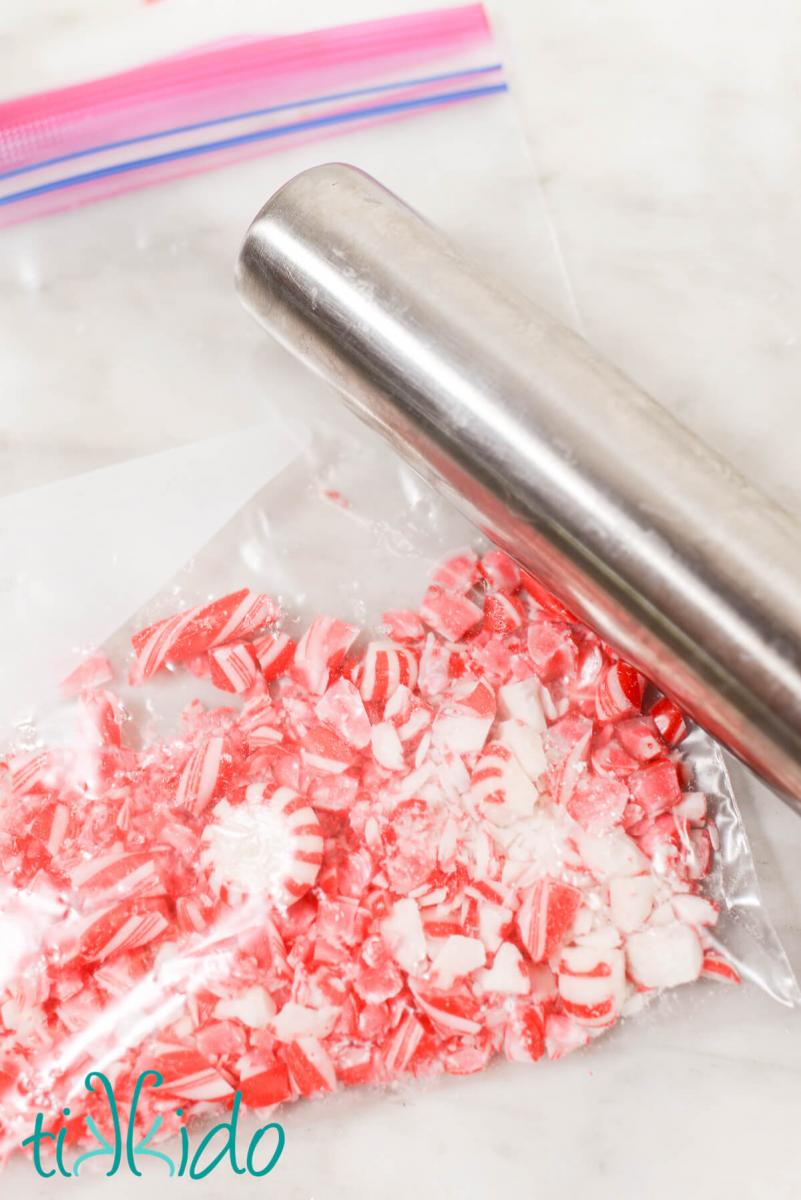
pixel 639 528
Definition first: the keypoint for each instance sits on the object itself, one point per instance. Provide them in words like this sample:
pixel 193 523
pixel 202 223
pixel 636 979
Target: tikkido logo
pixel 125 1148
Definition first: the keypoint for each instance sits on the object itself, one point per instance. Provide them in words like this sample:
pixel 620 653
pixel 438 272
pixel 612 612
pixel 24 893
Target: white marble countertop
pixel 666 139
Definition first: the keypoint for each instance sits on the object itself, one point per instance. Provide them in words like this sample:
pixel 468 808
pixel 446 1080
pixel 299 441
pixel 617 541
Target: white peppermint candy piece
pixel 695 910
pixel 526 745
pixel 342 708
pixel 465 718
pixel 386 746
pixel 507 975
pixel 691 808
pixel 493 922
pixel 321 652
pixel 500 788
pixel 269 845
pixel 403 935
pixel 631 899
pixel 253 1007
pixel 523 702
pixel 458 956
pixel 298 1021
pixel 664 956
pixel 612 852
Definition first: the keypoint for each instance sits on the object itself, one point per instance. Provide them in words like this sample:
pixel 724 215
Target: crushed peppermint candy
pixel 469 835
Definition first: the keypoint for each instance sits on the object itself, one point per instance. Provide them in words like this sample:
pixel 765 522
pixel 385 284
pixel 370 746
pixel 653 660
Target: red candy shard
pixel 500 571
pixel 546 916
pixel 449 614
pixel 202 775
pixel 669 720
pixel 386 667
pixel 235 667
pixel 403 625
pixel 275 652
pixel 321 652
pixel 264 1088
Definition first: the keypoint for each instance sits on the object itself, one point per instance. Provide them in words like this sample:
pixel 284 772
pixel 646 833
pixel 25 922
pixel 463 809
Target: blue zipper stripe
pixel 242 116
pixel 244 139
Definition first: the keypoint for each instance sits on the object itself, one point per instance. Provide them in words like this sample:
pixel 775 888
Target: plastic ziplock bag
pixel 132 296
pixel 135 937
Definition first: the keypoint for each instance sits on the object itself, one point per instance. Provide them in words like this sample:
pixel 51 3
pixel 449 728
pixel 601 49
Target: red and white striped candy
pixel 50 826
pixel 459 573
pixel 275 652
pixel 267 845
pixel 523 701
pixel 503 612
pixel 700 859
pixel 468 898
pixel 591 983
pixel 715 966
pixel 500 788
pixel 188 1074
pixel 193 632
pixel 234 668
pixel 449 614
pixel 695 910
pixel 323 750
pixel 440 664
pixel 500 570
pixel 260 722
pixel 321 652
pixel 453 1012
pixel 546 916
pixel 386 746
pixel 598 803
pixel 552 650
pixel 464 721
pixel 202 775
pixel 310 1066
pixel 262 1087
pixel 655 787
pixel 457 957
pixel 120 928
pixel 526 745
pixel 639 736
pixel 252 613
pixel 342 709
pixel 403 1044
pixel 385 668
pixel 563 1035
pixel 403 625
pixel 620 692
pixel 524 1036
pixel 669 720
pixel 402 931
pixel 33 773
pixel 119 875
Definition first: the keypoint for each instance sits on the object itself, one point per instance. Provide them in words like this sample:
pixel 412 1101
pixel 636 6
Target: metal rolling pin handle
pixel 638 527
